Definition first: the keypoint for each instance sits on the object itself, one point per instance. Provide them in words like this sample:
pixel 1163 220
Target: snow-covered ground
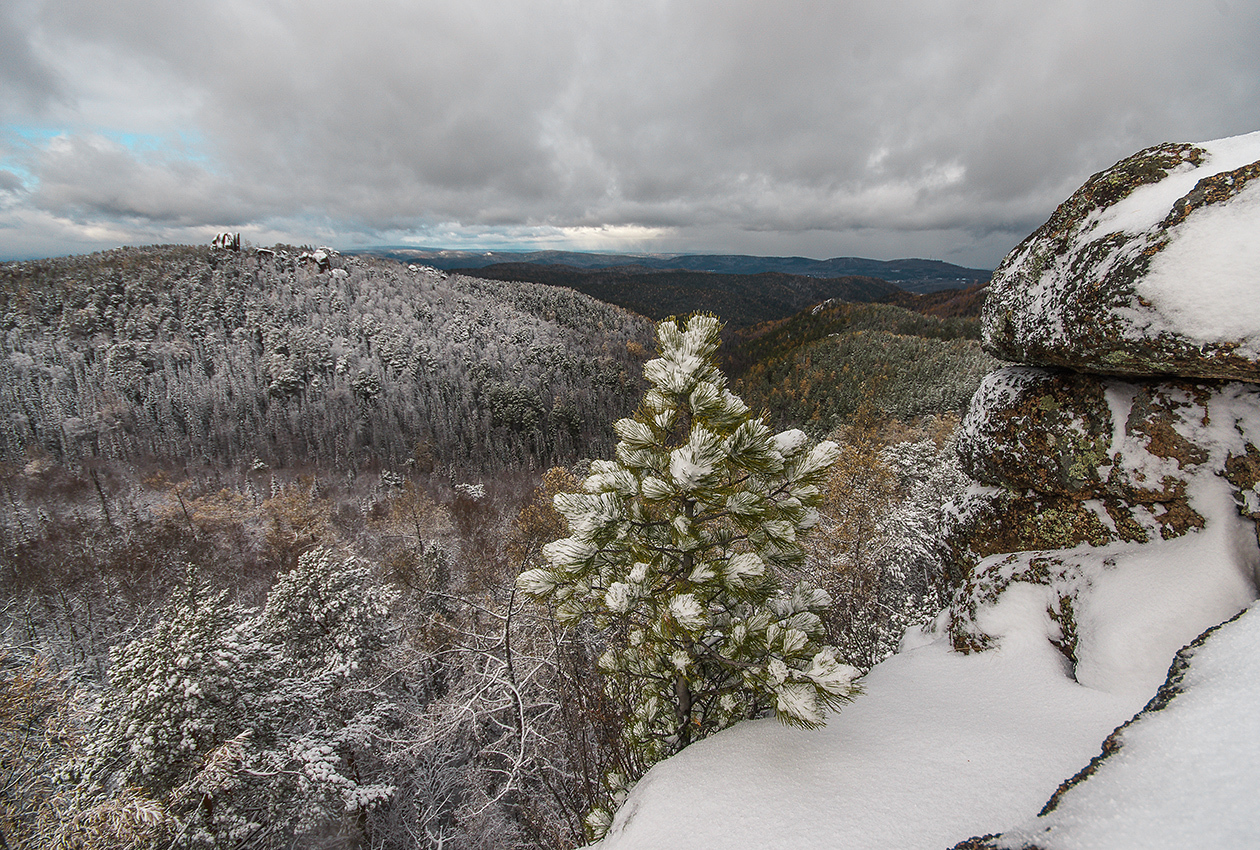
pixel 939 748
pixel 942 746
pixel 1185 776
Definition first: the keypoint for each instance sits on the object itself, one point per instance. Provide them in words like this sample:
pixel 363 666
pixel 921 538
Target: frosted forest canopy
pixel 230 358
pixel 198 447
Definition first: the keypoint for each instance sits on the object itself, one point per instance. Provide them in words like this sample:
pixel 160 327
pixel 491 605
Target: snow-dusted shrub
pixel 180 690
pixel 326 613
pixel 878 549
pixel 245 726
pixel 679 547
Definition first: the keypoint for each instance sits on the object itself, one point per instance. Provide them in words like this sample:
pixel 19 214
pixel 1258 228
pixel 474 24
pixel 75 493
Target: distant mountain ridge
pixel 740 300
pixel 913 275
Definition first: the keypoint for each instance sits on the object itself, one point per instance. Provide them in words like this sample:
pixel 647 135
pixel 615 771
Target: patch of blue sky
pixel 184 144
pixel 18 141
pixel 31 134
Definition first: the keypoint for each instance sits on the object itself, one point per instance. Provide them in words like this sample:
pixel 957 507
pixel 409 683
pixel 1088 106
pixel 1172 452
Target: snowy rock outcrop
pixel 1121 454
pixel 1150 268
pixel 1064 460
pixel 227 241
pixel 322 257
pixel 1117 468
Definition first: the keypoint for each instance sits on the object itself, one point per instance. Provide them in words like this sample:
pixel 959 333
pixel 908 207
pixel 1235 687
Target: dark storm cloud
pixel 941 127
pixel 25 81
pixel 10 182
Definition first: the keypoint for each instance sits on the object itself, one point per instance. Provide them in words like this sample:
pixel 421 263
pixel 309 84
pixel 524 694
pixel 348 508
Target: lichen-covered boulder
pixel 1092 437
pixel 1151 268
pixel 990 521
pixel 1036 429
pixel 1079 466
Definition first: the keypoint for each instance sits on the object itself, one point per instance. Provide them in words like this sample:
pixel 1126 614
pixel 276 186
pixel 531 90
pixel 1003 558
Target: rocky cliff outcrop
pixel 1137 405
pixel 1150 268
pixel 1117 467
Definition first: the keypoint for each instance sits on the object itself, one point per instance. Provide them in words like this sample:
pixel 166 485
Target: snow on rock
pixel 1147 603
pixel 1120 611
pixel 1185 770
pixel 1151 268
pixel 227 241
pixel 1132 501
pixel 1093 437
pixel 1122 510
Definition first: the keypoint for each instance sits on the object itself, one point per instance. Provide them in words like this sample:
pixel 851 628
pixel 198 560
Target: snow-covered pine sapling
pixel 679 548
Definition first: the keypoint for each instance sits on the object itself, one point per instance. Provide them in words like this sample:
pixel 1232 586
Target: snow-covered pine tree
pixel 233 727
pixel 679 548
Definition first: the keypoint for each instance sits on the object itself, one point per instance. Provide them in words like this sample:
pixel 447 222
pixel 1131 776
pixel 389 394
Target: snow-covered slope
pixel 939 748
pixel 1184 775
pixel 943 746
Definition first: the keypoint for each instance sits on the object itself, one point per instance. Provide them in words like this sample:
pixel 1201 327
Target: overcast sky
pixel 943 128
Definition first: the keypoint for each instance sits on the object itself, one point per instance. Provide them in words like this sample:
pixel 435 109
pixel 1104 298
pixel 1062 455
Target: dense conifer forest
pixel 822 367
pixel 228 358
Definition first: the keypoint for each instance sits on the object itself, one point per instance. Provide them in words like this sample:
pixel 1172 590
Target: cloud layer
pixel 945 128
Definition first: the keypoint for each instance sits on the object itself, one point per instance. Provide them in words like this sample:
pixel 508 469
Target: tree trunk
pixel 682 708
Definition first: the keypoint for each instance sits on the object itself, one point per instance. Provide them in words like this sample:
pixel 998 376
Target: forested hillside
pixel 821 367
pixel 943 303
pixel 264 515
pixel 739 299
pixel 230 358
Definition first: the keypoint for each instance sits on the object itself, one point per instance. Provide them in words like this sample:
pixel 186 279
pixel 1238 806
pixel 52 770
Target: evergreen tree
pixel 679 548
pixel 243 728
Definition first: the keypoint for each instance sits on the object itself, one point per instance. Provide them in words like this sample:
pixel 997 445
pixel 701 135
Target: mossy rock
pixel 1055 432
pixel 992 521
pixel 1033 429
pixel 1075 293
pixel 983 587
